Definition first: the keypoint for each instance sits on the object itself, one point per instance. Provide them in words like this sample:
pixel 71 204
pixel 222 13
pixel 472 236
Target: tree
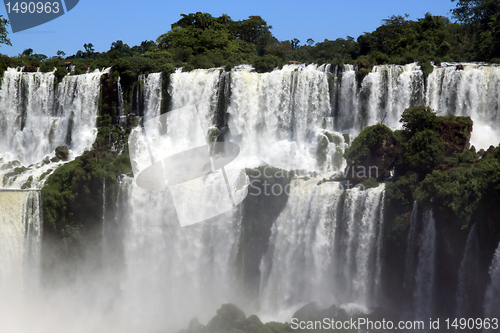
pixel 482 17
pixel 295 43
pixel 253 30
pixel 27 52
pixel 61 54
pixel 3 31
pixel 476 11
pixel 418 118
pixel 89 48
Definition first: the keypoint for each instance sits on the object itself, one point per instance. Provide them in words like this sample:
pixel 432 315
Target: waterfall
pixel 492 299
pixel 20 241
pixel 316 254
pixel 425 274
pixel 468 282
pixel 409 279
pixel 388 90
pixel 173 273
pixel 382 97
pixel 38 115
pixel 473 91
pixel 190 270
pixel 198 87
pixel 275 117
pixel 122 117
pixel 152 94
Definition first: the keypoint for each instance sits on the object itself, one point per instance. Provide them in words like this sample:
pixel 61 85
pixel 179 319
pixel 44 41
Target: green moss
pixel 13 174
pixel 28 183
pixel 347 138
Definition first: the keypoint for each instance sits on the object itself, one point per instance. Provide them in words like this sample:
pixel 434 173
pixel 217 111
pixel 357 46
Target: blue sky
pixel 102 22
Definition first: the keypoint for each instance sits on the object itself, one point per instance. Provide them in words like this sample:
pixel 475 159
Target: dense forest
pixel 199 40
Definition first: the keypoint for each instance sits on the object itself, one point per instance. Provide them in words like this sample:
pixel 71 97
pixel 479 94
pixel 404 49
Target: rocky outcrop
pixel 62 153
pixel 373 154
pixel 455 133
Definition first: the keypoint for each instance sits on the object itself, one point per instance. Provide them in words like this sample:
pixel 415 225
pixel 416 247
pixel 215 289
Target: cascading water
pixel 492 299
pixel 326 244
pixel 190 270
pixel 315 254
pixel 382 97
pixel 472 91
pixel 20 235
pixel 198 87
pixel 36 118
pixel 152 94
pixel 426 267
pixel 409 280
pixel 388 90
pixel 468 282
pixel 121 105
pixel 275 117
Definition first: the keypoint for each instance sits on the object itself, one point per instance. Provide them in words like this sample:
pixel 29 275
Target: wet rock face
pixel 62 153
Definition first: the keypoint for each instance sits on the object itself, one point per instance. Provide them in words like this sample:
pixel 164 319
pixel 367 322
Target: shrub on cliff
pixel 422 149
pixel 367 140
pixel 458 192
pixel 418 118
pixel 423 152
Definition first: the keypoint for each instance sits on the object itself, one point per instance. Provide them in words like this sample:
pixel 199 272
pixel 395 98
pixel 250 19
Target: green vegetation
pixel 369 183
pixel 3 31
pixel 73 195
pixel 460 191
pixel 438 169
pixel 230 318
pixel 199 40
pixel 365 142
pixel 422 148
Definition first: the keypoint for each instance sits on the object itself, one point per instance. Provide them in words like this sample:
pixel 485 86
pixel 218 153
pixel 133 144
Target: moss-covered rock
pixel 373 153
pixel 27 184
pixel 62 153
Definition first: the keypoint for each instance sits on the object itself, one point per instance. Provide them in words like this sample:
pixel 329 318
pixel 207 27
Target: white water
pixel 409 279
pixel 467 275
pixel 316 255
pixel 152 94
pixel 474 92
pixel 426 267
pixel 383 96
pixel 20 232
pixel 198 87
pixel 492 299
pixel 173 274
pixel 389 89
pixel 36 117
pixel 275 117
